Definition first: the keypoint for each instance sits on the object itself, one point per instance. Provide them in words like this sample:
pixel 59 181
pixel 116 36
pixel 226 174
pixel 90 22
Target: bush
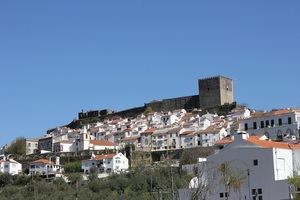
pixel 73 167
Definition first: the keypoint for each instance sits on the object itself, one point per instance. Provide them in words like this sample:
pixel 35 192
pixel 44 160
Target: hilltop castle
pixel 213 92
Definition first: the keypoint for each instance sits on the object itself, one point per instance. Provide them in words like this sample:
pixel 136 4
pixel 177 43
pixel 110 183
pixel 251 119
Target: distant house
pixel 45 167
pixel 63 146
pixel 276 124
pixel 145 140
pixel 210 136
pixel 109 163
pixel 45 144
pixel 239 113
pixel 167 120
pixel 31 146
pixel 10 166
pixel 187 139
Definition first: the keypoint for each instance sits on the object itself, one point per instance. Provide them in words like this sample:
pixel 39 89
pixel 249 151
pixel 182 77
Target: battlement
pixel 214 77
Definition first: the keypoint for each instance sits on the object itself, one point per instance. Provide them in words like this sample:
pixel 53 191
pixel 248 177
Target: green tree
pixel 294 181
pixel 148 110
pixel 73 167
pixel 18 147
pixel 231 178
pixel 5 179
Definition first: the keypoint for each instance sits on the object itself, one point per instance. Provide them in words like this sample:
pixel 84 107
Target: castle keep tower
pixel 215 91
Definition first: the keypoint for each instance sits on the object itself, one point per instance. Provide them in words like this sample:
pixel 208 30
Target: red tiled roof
pixel 149 131
pixel 271 144
pixel 106 156
pixel 43 161
pixel 102 143
pixel 272 113
pixel 187 133
pixel 225 140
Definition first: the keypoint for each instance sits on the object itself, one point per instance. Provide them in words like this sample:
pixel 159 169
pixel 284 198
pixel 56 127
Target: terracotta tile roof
pixel 102 143
pixel 271 144
pixel 130 138
pixel 149 131
pixel 188 133
pixel 102 157
pixel 272 113
pixel 225 140
pixel 43 161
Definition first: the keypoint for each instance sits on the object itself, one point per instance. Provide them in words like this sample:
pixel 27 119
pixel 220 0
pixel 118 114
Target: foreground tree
pixel 18 147
pixel 294 182
pixel 231 178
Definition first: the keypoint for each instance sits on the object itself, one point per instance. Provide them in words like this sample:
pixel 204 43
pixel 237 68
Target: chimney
pixel 241 135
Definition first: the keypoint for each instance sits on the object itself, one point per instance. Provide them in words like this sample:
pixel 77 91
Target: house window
pixel 223 195
pixel 262 124
pixel 267 123
pixel 255 162
pixel 29 144
pixel 280 122
pixel 257 194
pixel 289 120
pixel 254 125
pixel 272 123
pixel 246 126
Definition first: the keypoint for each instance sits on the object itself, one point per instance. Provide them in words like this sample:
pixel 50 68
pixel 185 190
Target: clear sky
pixel 58 57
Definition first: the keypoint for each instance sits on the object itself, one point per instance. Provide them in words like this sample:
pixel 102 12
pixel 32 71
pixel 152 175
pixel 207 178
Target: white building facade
pixel 109 163
pixel 265 166
pixel 44 167
pixel 276 124
pixel 10 166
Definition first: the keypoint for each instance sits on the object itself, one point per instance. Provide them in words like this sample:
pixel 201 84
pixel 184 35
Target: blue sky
pixel 58 57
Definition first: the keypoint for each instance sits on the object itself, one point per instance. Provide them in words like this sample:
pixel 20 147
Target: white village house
pixel 46 167
pixel 276 124
pixel 209 136
pixel 265 165
pixel 108 163
pixel 10 166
